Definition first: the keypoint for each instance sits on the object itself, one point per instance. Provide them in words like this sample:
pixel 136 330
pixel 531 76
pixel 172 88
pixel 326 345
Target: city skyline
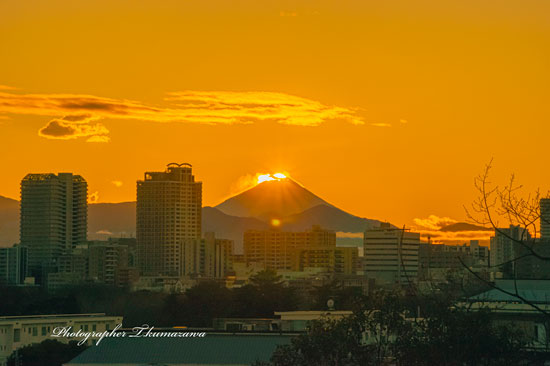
pixel 407 111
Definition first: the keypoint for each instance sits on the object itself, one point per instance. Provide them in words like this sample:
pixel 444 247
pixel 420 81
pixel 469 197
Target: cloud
pixel 117 183
pixel 403 121
pixel 455 237
pixel 75 126
pixel 379 124
pixel 104 232
pixel 7 87
pixel 93 197
pixel 434 222
pixel 204 107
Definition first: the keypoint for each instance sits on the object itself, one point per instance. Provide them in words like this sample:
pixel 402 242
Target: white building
pixel 20 331
pixel 391 254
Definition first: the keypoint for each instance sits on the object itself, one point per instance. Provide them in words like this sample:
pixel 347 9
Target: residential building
pixel 341 260
pixel 391 254
pixel 168 214
pixel 53 218
pixel 278 250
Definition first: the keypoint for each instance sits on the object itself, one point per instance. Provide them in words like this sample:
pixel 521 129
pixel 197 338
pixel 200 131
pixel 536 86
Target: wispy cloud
pixel 117 183
pixel 204 107
pixel 434 222
pixel 380 124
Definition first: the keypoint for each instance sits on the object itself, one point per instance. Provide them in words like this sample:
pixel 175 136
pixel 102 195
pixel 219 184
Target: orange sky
pixel 385 109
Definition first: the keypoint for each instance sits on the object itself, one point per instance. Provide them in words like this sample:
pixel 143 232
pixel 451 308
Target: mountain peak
pixel 271 199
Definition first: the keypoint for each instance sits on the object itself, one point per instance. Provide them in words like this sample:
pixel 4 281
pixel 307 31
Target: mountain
pixel 271 199
pixel 111 219
pixel 463 226
pixel 328 217
pixel 9 221
pixel 227 226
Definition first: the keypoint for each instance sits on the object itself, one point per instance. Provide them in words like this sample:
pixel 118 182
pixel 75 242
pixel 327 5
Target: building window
pixel 43 331
pixel 34 332
pixel 17 335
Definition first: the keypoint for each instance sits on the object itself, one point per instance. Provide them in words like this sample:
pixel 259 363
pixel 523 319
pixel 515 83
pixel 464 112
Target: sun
pixel 267 177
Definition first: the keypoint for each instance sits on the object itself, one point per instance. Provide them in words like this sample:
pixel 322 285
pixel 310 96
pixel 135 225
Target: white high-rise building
pixel 168 214
pixel 391 254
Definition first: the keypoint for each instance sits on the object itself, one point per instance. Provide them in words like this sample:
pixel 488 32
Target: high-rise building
pixel 13 265
pixel 545 219
pixel 278 250
pixel 391 254
pixel 54 218
pixel 168 214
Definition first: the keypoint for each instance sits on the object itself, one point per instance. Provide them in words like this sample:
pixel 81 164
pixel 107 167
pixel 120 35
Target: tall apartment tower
pixel 54 218
pixel 391 254
pixel 168 215
pixel 545 219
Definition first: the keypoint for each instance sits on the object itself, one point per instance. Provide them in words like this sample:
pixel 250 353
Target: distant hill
pixel 111 219
pixel 328 217
pixel 296 207
pixel 464 226
pixel 271 199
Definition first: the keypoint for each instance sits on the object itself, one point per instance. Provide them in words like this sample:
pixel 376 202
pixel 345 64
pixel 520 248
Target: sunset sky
pixel 386 109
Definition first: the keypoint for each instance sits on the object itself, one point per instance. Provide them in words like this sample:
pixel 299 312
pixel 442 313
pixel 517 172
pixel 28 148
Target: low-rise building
pixel 20 331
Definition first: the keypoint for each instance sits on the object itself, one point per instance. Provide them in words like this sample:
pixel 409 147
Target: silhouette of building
pixel 168 214
pixel 207 257
pixel 391 254
pixel 545 219
pixel 279 250
pixel 13 265
pixel 54 218
pixel 506 247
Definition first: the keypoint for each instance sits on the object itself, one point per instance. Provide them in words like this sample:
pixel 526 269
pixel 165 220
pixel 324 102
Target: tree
pixel 47 353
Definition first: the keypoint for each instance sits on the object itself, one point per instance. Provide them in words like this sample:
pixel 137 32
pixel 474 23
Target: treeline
pixel 197 307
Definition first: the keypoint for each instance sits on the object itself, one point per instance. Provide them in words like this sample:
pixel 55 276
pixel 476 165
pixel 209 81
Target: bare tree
pixel 497 206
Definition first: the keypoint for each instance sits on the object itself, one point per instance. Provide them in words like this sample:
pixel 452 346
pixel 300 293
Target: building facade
pixel 13 265
pixel 545 219
pixel 168 214
pixel 506 247
pixel 391 254
pixel 279 250
pixel 54 218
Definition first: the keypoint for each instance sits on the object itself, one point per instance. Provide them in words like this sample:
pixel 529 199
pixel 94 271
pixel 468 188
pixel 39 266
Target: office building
pixel 168 214
pixel 338 260
pixel 391 254
pixel 53 218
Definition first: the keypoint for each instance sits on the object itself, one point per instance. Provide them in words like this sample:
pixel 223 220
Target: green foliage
pixel 47 353
pixel 380 333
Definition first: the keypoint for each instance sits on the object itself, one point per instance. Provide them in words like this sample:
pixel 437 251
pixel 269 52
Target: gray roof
pixel 210 350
